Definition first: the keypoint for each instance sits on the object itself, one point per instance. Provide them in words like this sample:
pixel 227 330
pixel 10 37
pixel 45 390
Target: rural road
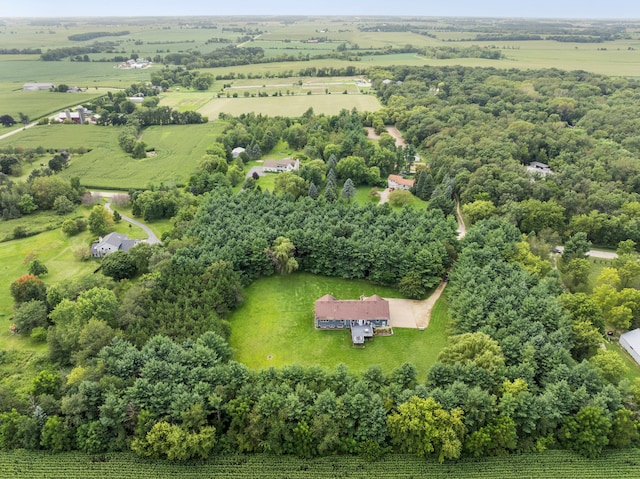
pixel 152 238
pixel 7 135
pixel 594 253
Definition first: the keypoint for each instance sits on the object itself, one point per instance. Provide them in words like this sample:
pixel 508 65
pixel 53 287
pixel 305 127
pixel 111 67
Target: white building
pixel 280 166
pixel 631 342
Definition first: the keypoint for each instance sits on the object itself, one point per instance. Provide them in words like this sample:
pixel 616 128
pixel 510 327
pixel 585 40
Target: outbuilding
pixel 631 342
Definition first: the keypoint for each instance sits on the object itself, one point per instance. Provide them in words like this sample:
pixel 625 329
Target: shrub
pixel 37 268
pixel 400 197
pixel 39 334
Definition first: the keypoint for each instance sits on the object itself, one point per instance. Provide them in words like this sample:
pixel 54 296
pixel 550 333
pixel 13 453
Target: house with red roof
pixel 397 182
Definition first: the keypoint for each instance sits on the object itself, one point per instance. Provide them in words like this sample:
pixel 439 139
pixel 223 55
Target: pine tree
pixel 313 190
pixel 348 190
pixel 330 192
pixel 332 162
pixel 331 177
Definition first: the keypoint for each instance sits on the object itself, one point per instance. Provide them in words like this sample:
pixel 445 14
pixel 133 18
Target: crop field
pixel 290 105
pixel 37 104
pixel 81 74
pixel 274 327
pixel 615 464
pixel 178 151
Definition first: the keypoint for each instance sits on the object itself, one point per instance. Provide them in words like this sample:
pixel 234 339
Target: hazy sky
pixel 629 9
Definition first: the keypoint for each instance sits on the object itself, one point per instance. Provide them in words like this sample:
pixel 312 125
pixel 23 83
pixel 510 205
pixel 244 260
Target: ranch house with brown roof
pixel 360 316
pixel 397 182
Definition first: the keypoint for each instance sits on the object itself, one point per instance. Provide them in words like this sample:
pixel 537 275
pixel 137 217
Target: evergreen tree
pixel 313 191
pixel 348 190
pixel 330 192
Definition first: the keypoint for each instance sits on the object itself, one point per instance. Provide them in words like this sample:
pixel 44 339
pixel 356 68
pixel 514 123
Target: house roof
pixel 373 307
pixel 118 241
pixel 276 163
pixel 400 180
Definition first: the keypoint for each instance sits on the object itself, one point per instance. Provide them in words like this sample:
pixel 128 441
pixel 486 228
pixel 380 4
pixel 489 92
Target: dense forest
pixel 144 364
pixel 483 126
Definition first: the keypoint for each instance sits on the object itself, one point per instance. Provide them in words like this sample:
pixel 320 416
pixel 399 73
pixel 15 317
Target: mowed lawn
pixel 274 327
pixel 55 250
pixel 292 106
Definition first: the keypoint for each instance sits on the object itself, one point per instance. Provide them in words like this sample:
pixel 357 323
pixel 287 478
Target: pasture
pixel 552 464
pixel 274 326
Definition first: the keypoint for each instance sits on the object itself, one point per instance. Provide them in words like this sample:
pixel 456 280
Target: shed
pixel 631 342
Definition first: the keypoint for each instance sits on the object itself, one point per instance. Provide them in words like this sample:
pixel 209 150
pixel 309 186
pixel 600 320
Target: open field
pixel 274 327
pixel 81 74
pixel 289 105
pixel 37 104
pixel 614 464
pixel 178 151
pixel 55 250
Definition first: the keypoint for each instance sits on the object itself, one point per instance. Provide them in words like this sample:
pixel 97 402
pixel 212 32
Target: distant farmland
pixel 290 105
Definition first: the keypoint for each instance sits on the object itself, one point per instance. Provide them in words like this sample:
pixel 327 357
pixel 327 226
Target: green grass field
pixel 289 105
pixel 614 464
pixel 178 151
pixel 37 104
pixel 55 250
pixel 275 327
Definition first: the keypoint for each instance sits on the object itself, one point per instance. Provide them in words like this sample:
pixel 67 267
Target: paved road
pixel 462 228
pixel 152 238
pixel 594 253
pixel 255 169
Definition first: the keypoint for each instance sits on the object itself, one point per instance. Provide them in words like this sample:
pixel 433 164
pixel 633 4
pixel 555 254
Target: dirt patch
pixel 371 133
pixel 384 196
pixel 394 132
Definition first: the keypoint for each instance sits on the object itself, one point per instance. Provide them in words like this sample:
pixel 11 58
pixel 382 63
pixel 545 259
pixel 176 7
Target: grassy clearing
pixel 55 250
pixel 633 368
pixel 34 223
pixel 292 106
pixel 613 464
pixel 274 327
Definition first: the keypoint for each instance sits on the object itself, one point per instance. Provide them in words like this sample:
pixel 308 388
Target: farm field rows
pixel 617 464
pixel 274 327
pixel 37 104
pixel 178 151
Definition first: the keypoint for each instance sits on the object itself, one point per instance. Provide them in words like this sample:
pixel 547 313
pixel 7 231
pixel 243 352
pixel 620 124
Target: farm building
pixel 79 115
pixel 37 86
pixel 540 168
pixel 360 316
pixel 397 182
pixel 279 166
pixel 111 243
pixel 631 342
pixel 236 152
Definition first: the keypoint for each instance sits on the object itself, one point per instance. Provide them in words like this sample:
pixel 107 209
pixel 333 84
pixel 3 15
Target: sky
pixel 625 9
